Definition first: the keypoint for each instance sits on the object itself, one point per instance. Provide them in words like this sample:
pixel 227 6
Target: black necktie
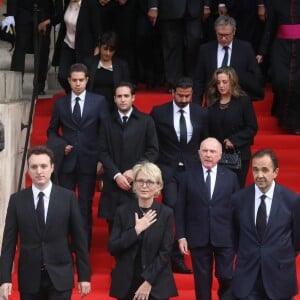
pixel 182 128
pixel 225 58
pixel 77 111
pixel 40 211
pixel 124 120
pixel 261 217
pixel 208 183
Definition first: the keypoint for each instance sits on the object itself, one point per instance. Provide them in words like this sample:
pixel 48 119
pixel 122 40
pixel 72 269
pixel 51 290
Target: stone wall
pixel 13 112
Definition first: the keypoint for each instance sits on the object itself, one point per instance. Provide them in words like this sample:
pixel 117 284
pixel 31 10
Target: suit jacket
pixel 173 9
pixel 154 250
pixel 88 30
pixel 275 255
pixel 203 221
pixel 83 137
pixel 120 70
pixel 120 149
pixel 170 150
pixel 237 123
pixel 242 60
pixel 52 248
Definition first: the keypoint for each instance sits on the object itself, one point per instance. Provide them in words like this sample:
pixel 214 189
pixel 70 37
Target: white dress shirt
pixel 46 192
pixel 268 200
pixel 176 120
pixel 70 18
pixel 81 102
pixel 221 53
pixel 213 176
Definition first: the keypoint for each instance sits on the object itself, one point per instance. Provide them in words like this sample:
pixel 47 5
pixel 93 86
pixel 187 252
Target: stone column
pixel 13 112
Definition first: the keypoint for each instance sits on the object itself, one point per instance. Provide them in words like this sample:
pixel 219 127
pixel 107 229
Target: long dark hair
pixel 213 94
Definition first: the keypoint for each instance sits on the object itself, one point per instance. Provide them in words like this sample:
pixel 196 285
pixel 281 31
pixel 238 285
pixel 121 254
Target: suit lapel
pixel 29 209
pixel 52 207
pixel 214 56
pixel 170 120
pixel 274 209
pixel 86 108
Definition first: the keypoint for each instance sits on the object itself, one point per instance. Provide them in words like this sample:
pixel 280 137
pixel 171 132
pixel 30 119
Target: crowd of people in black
pixel 209 54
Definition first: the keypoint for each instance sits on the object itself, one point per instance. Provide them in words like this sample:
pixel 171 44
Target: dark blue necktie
pixel 208 183
pixel 261 217
pixel 225 58
pixel 77 111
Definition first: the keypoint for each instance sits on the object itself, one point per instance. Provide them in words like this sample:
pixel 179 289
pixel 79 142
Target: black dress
pixel 236 122
pixel 104 85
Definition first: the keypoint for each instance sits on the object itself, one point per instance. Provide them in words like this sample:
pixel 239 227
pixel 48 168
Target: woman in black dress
pixel 106 70
pixel 231 117
pixel 141 241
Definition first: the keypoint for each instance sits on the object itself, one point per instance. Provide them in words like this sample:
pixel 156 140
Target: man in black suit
pixel 204 220
pixel 227 51
pixel 178 145
pixel 20 14
pixel 44 217
pixel 181 27
pixel 267 234
pixel 127 137
pixel 78 116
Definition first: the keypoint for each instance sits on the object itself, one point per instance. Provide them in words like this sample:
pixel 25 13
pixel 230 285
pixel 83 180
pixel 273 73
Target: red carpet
pixel 270 135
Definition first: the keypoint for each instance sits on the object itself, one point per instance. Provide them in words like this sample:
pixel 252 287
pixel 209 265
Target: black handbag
pixel 231 159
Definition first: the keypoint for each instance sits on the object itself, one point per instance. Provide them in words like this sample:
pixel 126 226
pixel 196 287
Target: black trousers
pixel 180 42
pixel 47 291
pixel 24 44
pixel 258 292
pixel 202 262
pixel 85 185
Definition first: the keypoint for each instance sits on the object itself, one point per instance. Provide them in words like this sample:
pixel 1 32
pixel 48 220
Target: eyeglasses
pixel 226 35
pixel 141 182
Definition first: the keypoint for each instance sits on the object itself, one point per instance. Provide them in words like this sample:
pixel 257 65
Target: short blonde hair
pixel 149 169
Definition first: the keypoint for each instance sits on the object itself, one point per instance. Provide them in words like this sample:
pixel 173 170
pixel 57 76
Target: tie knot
pixel 226 48
pixel 208 171
pixel 41 195
pixel 181 111
pixel 124 119
pixel 263 197
pixel 77 99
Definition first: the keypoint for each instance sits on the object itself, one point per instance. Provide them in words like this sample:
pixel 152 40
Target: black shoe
pixel 296 131
pixel 41 93
pixel 180 267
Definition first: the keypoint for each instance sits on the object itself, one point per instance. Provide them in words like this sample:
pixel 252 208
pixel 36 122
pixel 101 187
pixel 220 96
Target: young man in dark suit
pixel 127 137
pixel 44 217
pixel 267 234
pixel 75 124
pixel 178 144
pixel 203 219
pixel 227 51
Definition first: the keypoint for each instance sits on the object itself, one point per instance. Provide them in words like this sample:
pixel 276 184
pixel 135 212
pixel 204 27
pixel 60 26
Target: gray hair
pixel 225 20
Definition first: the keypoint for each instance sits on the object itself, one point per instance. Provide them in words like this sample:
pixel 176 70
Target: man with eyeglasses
pixel 181 126
pixel 126 137
pixel 227 51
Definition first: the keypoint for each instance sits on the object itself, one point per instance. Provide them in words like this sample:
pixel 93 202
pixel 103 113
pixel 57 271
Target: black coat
pixel 154 251
pixel 244 62
pixel 88 31
pixel 171 151
pixel 120 149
